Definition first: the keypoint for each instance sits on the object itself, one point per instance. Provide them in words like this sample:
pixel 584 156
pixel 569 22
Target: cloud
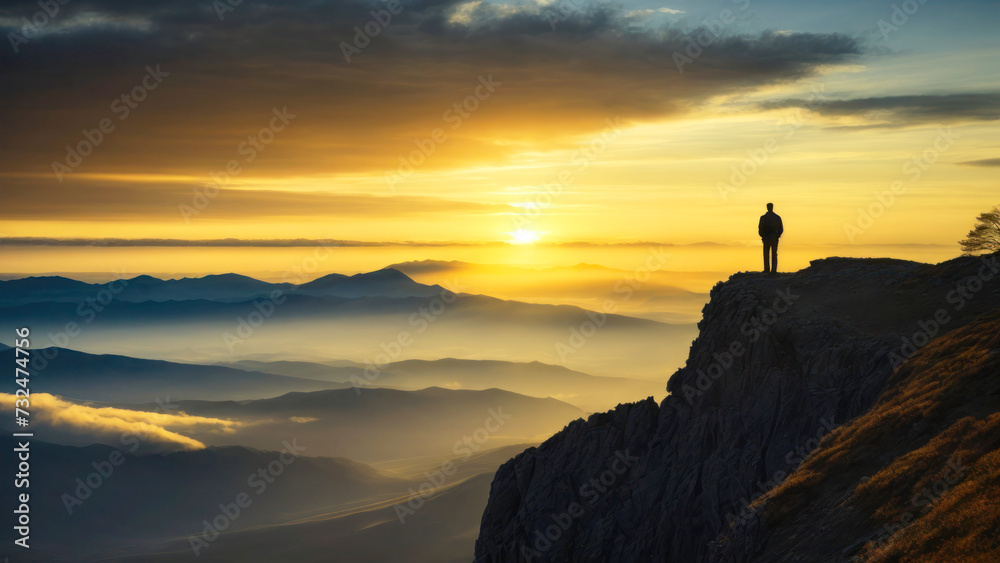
pixel 983 162
pixel 900 111
pixel 423 266
pixel 228 242
pixel 652 11
pixel 80 22
pixel 302 419
pixel 553 85
pixel 112 201
pixel 62 421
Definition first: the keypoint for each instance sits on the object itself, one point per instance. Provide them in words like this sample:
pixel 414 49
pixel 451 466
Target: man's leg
pixel 767 267
pixel 774 255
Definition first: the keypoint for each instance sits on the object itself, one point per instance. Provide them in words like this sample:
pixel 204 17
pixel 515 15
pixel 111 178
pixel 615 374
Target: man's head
pixel 770 207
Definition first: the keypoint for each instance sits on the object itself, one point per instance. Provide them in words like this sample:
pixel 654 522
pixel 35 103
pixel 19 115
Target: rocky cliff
pixel 916 478
pixel 779 363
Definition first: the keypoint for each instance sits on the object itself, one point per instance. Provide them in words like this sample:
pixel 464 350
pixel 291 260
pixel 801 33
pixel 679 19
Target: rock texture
pixel 916 478
pixel 779 361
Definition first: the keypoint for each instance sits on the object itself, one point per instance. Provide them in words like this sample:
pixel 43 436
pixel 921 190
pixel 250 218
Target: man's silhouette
pixel 770 230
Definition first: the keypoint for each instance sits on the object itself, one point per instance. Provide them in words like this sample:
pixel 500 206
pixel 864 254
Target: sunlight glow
pixel 524 236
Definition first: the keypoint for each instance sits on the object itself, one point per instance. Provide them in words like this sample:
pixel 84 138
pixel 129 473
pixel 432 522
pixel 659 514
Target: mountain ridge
pixel 118 378
pixel 778 361
pixel 227 287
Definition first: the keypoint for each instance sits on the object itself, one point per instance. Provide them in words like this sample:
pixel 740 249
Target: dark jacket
pixel 770 225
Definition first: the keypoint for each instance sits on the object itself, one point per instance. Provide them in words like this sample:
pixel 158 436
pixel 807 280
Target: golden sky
pixel 470 121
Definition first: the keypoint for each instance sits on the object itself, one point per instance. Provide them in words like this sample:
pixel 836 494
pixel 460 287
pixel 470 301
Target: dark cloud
pixel 226 76
pixel 905 110
pixel 227 242
pixel 162 202
pixel 983 162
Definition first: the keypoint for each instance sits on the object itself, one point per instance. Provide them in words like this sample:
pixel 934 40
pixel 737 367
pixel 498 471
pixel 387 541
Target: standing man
pixel 770 230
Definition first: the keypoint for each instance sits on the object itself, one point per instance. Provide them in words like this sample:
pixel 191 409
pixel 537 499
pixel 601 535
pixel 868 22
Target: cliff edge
pixel 780 363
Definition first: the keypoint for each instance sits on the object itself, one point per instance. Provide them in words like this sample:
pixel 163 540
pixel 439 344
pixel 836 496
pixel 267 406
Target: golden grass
pixel 941 406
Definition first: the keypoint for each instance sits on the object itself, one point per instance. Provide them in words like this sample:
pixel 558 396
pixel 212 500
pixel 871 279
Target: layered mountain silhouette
pixel 659 294
pixel 122 379
pixel 374 424
pixel 438 526
pixel 377 318
pixel 527 378
pixel 314 506
pixel 824 364
pixel 144 500
pixel 442 530
pixel 846 410
pixel 222 287
pixel 388 282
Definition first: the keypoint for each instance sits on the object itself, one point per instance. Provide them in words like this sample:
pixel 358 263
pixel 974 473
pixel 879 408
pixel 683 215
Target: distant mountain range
pixel 442 530
pixel 528 378
pixel 223 288
pixel 148 499
pixel 315 508
pixel 652 293
pixel 122 379
pixel 374 425
pixel 380 317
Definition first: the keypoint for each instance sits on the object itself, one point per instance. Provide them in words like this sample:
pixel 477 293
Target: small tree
pixel 985 237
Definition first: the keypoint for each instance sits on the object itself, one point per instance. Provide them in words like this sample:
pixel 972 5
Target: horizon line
pixel 112 242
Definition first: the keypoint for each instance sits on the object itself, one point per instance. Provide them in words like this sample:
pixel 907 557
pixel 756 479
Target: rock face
pixel 916 478
pixel 778 363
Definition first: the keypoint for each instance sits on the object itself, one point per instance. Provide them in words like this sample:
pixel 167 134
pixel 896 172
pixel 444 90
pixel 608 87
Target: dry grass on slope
pixel 931 446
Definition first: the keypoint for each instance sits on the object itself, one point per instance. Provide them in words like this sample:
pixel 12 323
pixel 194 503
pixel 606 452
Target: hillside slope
pixel 779 362
pixel 85 503
pixel 917 476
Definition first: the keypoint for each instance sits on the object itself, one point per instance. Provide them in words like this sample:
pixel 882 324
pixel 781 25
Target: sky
pixel 871 123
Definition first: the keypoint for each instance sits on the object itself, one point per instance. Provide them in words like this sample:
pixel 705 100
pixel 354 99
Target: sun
pixel 524 236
